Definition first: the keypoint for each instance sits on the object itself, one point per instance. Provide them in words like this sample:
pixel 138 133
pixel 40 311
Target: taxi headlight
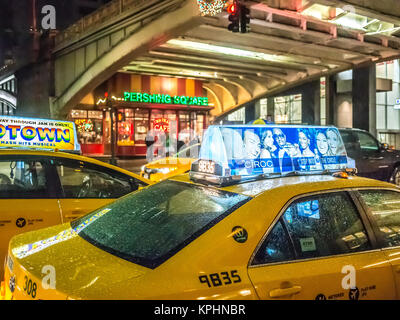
pixel 143 168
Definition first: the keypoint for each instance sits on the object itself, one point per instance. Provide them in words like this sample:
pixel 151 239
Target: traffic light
pixel 244 19
pixel 234 17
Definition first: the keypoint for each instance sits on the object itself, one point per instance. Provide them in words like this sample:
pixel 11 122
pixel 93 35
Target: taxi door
pixel 28 199
pixel 383 207
pixel 87 187
pixel 320 249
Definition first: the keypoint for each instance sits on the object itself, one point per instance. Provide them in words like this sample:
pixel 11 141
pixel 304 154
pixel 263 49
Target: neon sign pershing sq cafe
pixel 165 99
pixel 161 124
pixel 18 132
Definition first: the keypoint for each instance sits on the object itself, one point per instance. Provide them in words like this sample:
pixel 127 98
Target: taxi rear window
pixel 150 226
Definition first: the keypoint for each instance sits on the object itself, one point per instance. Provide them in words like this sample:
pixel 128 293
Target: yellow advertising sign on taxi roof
pixel 18 132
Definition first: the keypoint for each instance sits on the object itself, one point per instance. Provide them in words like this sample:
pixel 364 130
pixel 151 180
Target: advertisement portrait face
pixel 304 141
pixel 252 145
pixel 280 138
pixel 333 141
pixel 322 143
pixel 268 142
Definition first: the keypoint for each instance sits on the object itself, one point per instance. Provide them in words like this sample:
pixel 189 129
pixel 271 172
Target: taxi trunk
pixel 35 258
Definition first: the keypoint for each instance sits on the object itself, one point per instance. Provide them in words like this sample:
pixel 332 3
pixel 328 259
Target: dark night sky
pixel 16 19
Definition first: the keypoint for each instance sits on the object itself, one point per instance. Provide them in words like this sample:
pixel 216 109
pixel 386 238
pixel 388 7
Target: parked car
pixel 165 168
pixel 41 186
pixel 372 158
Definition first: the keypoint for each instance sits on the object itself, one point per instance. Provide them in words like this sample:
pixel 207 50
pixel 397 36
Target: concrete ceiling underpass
pixel 290 42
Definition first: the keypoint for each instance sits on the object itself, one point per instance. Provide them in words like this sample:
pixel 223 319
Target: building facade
pixel 367 98
pixel 140 105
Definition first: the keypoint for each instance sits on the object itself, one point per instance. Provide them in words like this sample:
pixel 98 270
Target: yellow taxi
pixel 42 187
pixel 238 226
pixel 165 168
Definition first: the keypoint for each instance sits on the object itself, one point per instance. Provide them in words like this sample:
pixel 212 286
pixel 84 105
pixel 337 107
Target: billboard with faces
pixel 252 149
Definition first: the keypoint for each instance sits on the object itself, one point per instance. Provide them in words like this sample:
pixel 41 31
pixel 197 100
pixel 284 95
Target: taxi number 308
pixel 219 279
pixel 30 287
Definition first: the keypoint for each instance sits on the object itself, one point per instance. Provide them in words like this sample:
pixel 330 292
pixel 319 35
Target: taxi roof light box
pixel 238 153
pixel 43 134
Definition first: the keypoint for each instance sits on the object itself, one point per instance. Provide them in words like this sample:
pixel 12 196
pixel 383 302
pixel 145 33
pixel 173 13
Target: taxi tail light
pixel 2 290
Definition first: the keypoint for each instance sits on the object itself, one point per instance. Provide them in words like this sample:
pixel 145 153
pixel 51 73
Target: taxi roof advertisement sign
pixel 260 149
pixel 18 132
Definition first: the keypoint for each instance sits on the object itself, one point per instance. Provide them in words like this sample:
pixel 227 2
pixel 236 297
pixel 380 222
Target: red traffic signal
pixel 232 8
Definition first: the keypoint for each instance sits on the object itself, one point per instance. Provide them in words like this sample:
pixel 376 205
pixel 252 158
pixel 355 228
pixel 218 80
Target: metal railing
pixel 98 18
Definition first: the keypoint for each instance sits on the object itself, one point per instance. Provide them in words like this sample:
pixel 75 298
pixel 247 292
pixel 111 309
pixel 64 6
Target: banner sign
pixel 16 132
pixel 260 149
pixel 165 99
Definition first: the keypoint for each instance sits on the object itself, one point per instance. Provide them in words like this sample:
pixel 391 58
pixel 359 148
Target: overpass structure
pixel 8 99
pixel 290 42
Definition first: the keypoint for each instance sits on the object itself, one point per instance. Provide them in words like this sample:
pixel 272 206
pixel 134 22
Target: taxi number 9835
pixel 219 279
pixel 206 166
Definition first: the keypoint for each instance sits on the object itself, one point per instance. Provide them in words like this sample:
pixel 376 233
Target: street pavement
pixel 132 165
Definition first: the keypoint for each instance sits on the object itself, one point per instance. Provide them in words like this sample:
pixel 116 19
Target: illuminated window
pixel 89 125
pixel 237 116
pixel 141 125
pixel 263 108
pixel 125 127
pixel 288 109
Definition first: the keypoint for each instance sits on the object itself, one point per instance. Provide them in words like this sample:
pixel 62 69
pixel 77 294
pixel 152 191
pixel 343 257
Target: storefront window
pixel 184 121
pixel 89 126
pixel 125 127
pixel 76 114
pixel 141 125
pixel 199 125
pixel 288 109
pixel 92 114
pixel 170 114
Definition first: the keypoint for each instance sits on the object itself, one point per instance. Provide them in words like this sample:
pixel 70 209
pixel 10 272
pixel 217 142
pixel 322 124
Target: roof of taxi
pixel 303 184
pixel 66 155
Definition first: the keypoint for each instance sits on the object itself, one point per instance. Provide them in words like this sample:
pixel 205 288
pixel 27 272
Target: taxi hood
pixel 82 270
pixel 169 162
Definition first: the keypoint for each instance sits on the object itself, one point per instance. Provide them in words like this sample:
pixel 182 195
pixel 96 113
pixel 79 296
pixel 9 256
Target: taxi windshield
pixel 150 226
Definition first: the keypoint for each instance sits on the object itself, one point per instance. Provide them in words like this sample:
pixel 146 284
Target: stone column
pixel 364 98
